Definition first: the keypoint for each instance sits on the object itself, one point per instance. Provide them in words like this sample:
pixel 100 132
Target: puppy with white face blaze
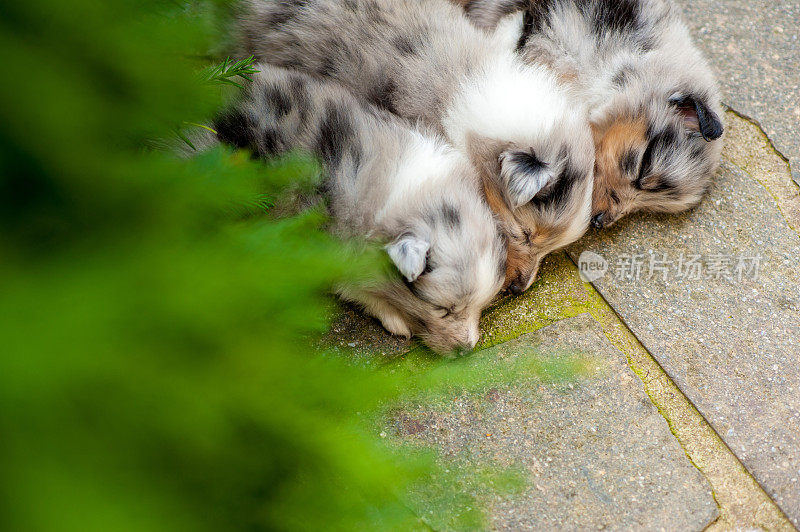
pixel 654 105
pixel 390 182
pixel 424 61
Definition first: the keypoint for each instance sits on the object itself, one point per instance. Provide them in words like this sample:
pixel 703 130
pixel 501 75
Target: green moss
pixel 558 294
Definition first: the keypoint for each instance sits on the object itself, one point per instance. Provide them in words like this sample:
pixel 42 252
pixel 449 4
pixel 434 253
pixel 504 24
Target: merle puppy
pixel 390 182
pixel 654 105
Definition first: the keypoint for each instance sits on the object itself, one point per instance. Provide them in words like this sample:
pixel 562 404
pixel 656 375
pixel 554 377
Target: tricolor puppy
pixel 390 182
pixel 424 61
pixel 653 104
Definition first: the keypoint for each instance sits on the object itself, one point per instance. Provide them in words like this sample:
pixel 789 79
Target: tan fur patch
pixel 519 260
pixel 517 256
pixel 611 187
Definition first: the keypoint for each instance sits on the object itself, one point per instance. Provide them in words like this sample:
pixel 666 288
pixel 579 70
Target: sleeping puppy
pixel 653 104
pixel 424 61
pixel 389 182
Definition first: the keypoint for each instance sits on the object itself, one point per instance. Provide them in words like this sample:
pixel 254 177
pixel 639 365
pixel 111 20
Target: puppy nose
pixel 461 351
pixel 516 287
pixel 598 219
pixel 521 283
pixel 474 336
pixel 467 342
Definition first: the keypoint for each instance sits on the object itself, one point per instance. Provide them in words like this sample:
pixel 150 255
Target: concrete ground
pixel 688 416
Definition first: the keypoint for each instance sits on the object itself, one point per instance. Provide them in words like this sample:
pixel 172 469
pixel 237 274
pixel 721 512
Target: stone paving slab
pixel 598 453
pixel 732 346
pixel 559 293
pixel 754 48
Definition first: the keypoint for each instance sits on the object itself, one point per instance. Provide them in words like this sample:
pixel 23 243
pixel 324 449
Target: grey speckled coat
pixel 389 182
pixel 424 61
pixel 653 103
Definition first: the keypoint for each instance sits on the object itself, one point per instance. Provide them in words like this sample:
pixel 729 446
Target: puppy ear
pixel 487 14
pixel 698 117
pixel 409 253
pixel 509 29
pixel 523 175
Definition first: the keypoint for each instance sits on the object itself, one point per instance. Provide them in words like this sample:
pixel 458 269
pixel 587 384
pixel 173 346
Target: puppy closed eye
pixel 446 312
pixel 645 165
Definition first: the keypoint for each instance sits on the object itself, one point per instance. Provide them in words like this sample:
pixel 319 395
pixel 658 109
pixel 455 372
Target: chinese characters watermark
pixel 682 267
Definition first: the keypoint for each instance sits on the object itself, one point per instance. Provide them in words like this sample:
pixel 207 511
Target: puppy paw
pixel 395 325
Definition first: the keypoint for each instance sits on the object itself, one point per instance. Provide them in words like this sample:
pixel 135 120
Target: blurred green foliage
pixel 156 324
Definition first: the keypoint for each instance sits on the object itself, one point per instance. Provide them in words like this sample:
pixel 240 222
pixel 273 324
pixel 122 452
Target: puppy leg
pixel 389 317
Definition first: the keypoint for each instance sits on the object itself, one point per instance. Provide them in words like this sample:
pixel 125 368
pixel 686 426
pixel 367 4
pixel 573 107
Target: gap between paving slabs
pixel 560 294
pixel 758 129
pixel 716 335
pixel 749 148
